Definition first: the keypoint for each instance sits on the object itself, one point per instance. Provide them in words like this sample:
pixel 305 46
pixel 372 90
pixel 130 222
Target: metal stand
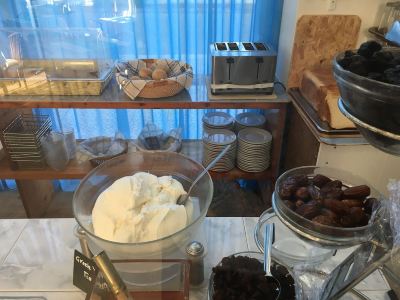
pixel 369 257
pixel 81 235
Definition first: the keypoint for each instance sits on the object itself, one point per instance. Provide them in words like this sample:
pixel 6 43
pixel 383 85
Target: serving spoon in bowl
pixel 183 198
pixel 269 233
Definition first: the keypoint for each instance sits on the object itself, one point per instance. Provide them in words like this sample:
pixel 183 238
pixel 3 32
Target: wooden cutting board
pixel 318 39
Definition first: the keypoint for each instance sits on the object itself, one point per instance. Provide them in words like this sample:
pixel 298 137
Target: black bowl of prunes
pixel 369 84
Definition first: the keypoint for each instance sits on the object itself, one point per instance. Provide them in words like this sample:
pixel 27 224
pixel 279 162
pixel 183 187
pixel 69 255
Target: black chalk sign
pixel 85 272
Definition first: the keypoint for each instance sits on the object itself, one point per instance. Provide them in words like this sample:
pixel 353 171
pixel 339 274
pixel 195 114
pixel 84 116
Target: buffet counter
pixel 36 257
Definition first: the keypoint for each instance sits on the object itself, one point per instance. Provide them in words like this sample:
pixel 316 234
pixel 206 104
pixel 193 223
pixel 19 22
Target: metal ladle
pixel 269 233
pixel 183 198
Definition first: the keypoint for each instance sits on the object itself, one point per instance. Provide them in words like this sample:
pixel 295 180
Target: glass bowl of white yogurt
pixel 126 205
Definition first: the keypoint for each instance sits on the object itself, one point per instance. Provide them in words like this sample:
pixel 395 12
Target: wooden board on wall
pixel 318 39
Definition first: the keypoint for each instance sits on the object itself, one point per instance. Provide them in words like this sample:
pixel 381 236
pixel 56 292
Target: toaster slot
pixel 233 46
pixel 221 46
pixel 260 46
pixel 248 46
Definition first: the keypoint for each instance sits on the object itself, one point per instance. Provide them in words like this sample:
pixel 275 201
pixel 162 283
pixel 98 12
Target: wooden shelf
pixel 112 97
pixel 75 170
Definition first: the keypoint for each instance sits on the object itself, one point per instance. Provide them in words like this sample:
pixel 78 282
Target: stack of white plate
pixel 254 149
pixel 249 119
pixel 213 143
pixel 217 120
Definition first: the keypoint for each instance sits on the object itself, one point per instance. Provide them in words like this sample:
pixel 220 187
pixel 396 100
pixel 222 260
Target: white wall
pixel 367 10
pixel 375 166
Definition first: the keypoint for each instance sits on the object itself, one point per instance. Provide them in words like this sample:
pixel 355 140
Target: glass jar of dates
pixel 330 207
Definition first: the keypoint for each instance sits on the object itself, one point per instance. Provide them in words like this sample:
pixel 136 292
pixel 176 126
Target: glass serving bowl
pixel 159 163
pixel 323 235
pixel 260 257
pixel 288 248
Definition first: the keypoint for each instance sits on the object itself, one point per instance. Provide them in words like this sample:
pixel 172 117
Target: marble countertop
pixel 36 257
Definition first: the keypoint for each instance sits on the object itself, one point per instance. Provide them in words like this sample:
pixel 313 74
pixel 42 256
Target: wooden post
pixel 36 196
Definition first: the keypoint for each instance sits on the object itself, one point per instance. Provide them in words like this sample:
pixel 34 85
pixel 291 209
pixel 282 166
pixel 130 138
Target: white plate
pixel 223 159
pixel 254 149
pixel 254 159
pixel 211 152
pixel 218 147
pixel 226 160
pixel 253 145
pixel 219 137
pixel 253 171
pixel 253 168
pixel 217 119
pixel 254 136
pixel 250 119
pixel 253 162
pixel 252 153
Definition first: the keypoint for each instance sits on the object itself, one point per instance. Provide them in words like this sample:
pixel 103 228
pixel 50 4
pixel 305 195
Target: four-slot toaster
pixel 242 67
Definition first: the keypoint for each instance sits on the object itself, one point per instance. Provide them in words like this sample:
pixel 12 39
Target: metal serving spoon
pixel 269 233
pixel 183 198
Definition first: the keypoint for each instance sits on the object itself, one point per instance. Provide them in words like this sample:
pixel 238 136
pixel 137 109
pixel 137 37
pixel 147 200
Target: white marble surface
pixel 37 254
pixel 10 231
pixel 41 259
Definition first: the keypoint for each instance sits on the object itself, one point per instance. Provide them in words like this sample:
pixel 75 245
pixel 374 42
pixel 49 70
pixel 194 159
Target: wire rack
pixel 22 140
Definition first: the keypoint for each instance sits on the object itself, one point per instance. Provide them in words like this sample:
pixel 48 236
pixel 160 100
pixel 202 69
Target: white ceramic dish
pixel 219 137
pixel 250 119
pixel 218 119
pixel 254 136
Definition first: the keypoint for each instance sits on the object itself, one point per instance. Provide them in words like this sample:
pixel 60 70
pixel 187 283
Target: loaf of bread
pixel 319 88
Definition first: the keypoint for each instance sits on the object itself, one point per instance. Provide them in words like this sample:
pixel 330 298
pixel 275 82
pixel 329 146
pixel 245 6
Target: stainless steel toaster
pixel 242 67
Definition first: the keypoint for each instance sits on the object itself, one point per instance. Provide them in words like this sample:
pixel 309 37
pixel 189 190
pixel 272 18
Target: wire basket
pixel 22 141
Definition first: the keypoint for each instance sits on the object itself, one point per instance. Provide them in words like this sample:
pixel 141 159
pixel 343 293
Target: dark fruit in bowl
pixel 329 202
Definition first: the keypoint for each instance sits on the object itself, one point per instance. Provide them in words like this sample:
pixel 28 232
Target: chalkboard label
pixel 85 272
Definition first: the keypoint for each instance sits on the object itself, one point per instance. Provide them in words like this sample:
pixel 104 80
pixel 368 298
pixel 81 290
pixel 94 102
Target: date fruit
pixel 325 220
pixel 291 184
pixel 328 213
pixel 355 218
pixel 328 202
pixel 299 180
pixel 332 193
pixel 335 184
pixel 314 193
pixel 290 204
pixel 302 193
pixel 336 206
pixel 286 191
pixel 309 210
pixel 357 192
pixel 320 180
pixel 353 202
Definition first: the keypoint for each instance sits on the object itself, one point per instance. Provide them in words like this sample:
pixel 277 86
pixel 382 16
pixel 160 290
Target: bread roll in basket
pixel 146 77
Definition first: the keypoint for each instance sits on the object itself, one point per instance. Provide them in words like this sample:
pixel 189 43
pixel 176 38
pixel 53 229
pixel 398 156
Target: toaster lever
pixel 229 61
pixel 259 60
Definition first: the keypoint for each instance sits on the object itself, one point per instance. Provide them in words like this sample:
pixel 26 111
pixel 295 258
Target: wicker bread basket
pixel 152 88
pixel 159 89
